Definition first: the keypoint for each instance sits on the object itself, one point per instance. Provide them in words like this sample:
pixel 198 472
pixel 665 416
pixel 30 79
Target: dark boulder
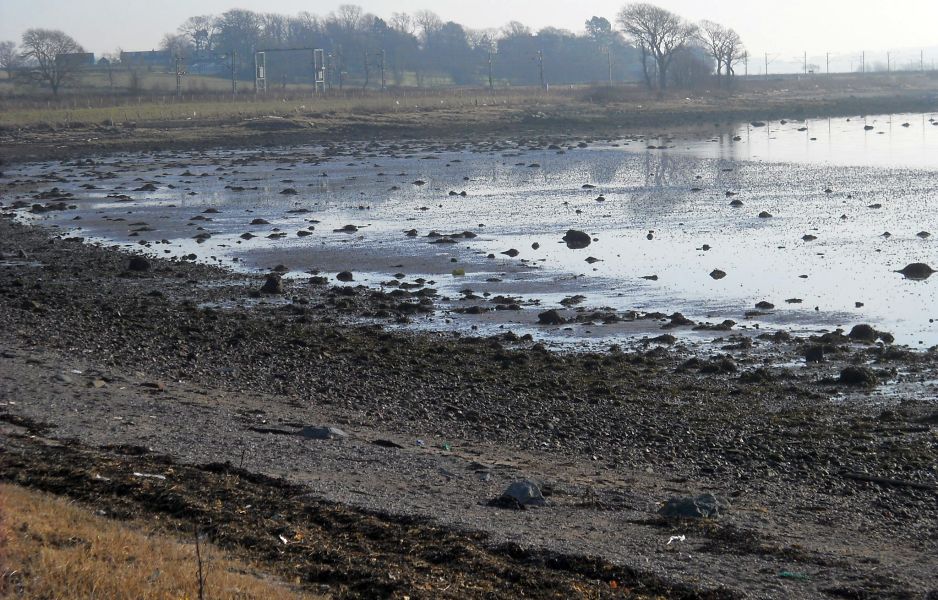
pixel 577 240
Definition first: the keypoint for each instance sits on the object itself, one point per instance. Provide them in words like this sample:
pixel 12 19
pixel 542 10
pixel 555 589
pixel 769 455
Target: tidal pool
pixel 659 210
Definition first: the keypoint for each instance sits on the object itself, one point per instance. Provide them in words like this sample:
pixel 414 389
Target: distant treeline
pixel 418 49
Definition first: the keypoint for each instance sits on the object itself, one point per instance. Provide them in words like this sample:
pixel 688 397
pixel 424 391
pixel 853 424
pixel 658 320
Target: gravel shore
pixel 827 470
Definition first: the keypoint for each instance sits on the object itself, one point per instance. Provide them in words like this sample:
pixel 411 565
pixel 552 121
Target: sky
pixel 784 29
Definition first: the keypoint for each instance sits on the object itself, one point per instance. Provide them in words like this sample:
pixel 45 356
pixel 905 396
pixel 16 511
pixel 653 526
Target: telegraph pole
pixel 805 63
pixel 889 62
pixel 540 65
pixel 234 81
pixel 383 56
pixel 828 63
pixel 863 62
pixel 178 60
pixel 491 79
pixel 766 65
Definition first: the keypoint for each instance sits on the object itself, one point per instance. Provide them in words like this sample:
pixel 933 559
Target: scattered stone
pixel 139 264
pixel 520 495
pixel 273 284
pixel 704 506
pixel 763 305
pixel 857 376
pixel 550 317
pixel 717 274
pixel 322 433
pixel 577 240
pixel 917 271
pixel 814 353
pixel 345 276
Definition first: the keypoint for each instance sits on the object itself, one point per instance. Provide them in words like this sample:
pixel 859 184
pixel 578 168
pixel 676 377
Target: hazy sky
pixel 784 28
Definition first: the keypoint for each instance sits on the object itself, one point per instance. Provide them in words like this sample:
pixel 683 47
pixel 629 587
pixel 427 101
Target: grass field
pixel 51 548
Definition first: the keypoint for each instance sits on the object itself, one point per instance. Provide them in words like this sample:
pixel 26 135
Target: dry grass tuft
pixel 50 548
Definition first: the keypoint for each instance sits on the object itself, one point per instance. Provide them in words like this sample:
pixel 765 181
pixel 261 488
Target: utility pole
pixel 383 56
pixel 863 62
pixel 766 65
pixel 178 60
pixel 491 79
pixel 234 81
pixel 922 60
pixel 828 63
pixel 607 50
pixel 889 62
pixel 746 64
pixel 805 63
pixel 540 65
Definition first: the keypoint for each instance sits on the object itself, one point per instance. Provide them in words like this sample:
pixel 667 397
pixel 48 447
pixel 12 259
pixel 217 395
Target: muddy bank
pixel 812 458
pixel 572 115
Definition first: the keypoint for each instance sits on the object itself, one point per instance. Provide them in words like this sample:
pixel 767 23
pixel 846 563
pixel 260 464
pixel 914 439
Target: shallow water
pixel 828 187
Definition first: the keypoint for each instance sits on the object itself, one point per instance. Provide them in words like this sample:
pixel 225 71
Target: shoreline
pixel 798 453
pixel 551 117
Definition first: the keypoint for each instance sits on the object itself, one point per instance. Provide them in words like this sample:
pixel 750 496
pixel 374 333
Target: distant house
pixel 75 60
pixel 149 59
pixel 104 62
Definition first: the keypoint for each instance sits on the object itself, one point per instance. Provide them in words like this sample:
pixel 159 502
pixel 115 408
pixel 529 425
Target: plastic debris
pixel 676 538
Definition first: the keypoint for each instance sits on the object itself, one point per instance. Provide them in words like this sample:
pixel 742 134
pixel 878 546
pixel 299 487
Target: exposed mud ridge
pixel 352 553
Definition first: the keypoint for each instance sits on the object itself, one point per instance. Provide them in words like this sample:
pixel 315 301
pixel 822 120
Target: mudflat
pixel 151 389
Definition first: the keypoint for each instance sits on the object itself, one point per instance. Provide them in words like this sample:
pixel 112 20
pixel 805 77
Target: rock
pixel 923 234
pixel 346 229
pixel 917 271
pixel 512 253
pixel 322 433
pixel 814 353
pixel 717 274
pixel 260 222
pixel 273 284
pixel 757 124
pixel 808 237
pixel 577 240
pixel 704 506
pixel 550 317
pixel 857 376
pixel 765 215
pixel 535 246
pixel 863 333
pixel 736 203
pixel 289 192
pixel 345 276
pixel 520 495
pixel 765 305
pixel 139 264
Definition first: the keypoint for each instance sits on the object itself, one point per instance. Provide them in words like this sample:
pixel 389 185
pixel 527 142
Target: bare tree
pixel 402 22
pixel 349 16
pixel 712 38
pixel 177 45
pixel 200 31
pixel 516 29
pixel 47 49
pixel 723 45
pixel 428 22
pixel 9 59
pixel 733 52
pixel 661 32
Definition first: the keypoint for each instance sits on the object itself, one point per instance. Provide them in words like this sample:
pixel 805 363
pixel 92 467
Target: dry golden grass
pixel 50 548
